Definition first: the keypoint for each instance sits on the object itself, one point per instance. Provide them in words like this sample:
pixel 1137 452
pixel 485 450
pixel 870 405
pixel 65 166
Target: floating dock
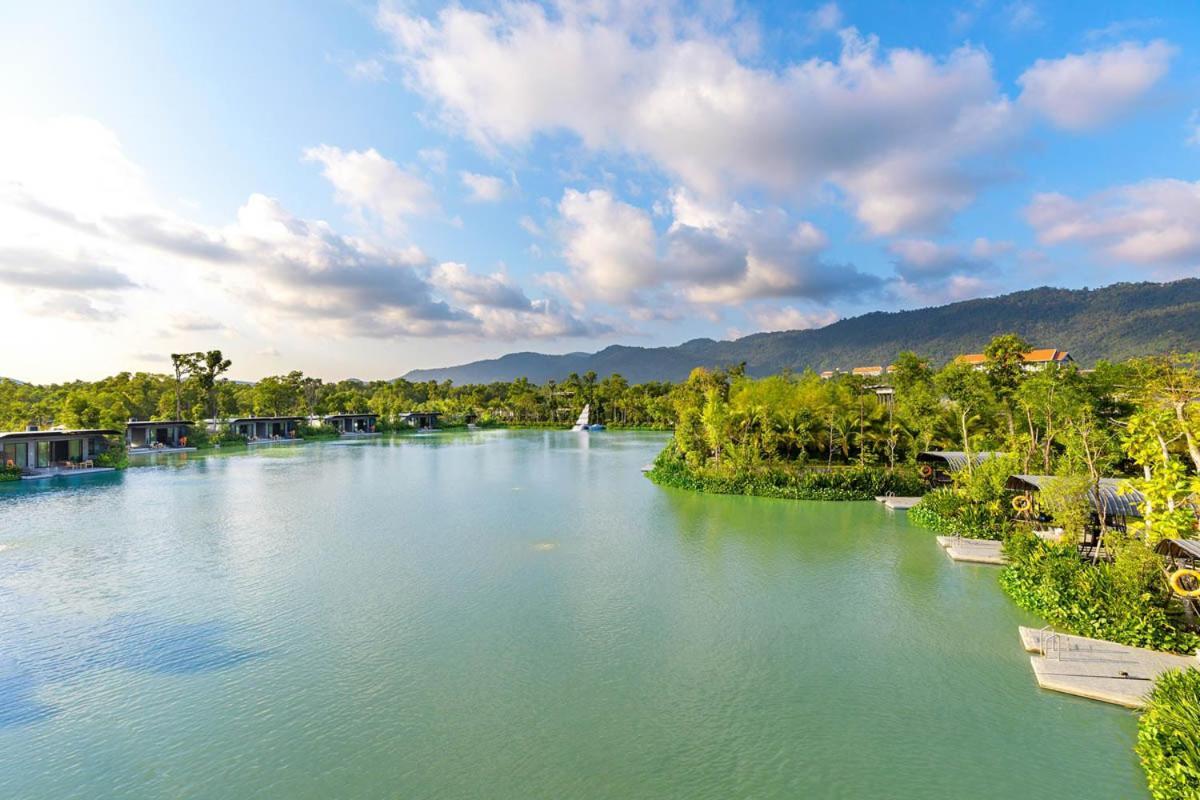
pixel 898 503
pixel 973 551
pixel 1098 670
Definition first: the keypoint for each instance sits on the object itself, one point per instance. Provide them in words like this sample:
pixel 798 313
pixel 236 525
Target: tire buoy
pixel 1177 582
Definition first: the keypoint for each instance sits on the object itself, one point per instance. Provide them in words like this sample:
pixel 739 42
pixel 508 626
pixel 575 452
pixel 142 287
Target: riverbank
pixel 784 481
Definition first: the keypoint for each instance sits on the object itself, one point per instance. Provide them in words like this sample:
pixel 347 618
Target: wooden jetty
pixel 1096 669
pixel 974 551
pixel 898 503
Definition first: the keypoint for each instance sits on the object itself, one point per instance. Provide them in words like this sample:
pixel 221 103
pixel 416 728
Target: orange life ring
pixel 925 470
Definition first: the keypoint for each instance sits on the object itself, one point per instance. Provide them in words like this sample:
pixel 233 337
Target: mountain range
pixel 1114 322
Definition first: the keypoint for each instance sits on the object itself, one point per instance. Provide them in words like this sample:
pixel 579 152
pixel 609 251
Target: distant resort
pixel 1082 485
pixel 34 453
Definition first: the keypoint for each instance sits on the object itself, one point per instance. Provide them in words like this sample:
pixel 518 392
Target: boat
pixel 584 424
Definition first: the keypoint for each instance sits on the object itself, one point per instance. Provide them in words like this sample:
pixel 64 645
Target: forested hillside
pixel 1115 322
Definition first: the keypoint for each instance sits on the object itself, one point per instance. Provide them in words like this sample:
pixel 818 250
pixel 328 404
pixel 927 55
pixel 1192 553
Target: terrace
pixel 45 454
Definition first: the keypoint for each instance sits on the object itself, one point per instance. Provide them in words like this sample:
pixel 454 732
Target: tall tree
pixel 185 365
pixel 212 366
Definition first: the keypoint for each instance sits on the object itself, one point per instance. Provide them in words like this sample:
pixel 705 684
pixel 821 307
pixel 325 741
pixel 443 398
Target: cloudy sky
pixel 356 190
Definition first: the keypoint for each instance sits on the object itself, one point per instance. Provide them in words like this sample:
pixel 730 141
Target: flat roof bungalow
pixel 43 454
pixel 1034 359
pixel 352 424
pixel 156 436
pixel 425 420
pixel 939 466
pixel 868 372
pixel 265 430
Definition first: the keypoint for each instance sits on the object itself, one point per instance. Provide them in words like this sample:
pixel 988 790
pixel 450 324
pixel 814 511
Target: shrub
pixel 1125 601
pixel 782 480
pixel 306 431
pixel 1168 741
pixel 115 456
pixel 8 473
pixel 947 512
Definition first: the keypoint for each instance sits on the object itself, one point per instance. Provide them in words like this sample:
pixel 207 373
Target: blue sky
pixel 356 189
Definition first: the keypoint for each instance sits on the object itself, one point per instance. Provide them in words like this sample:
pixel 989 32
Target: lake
pixel 508 615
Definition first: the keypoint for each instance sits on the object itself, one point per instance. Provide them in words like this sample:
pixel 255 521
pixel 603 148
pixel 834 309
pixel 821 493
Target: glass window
pixel 43 454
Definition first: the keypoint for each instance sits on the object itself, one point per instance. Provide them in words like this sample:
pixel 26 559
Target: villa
pixel 1034 359
pixel 352 424
pixel 44 454
pixel 142 436
pixel 265 430
pixel 424 420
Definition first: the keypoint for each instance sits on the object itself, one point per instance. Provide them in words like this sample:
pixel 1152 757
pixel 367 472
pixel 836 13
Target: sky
pixel 356 190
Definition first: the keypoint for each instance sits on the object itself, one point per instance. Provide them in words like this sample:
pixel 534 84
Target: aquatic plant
pixel 1168 741
pixel 1125 600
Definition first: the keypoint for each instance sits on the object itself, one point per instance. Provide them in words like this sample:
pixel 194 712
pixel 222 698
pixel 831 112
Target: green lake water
pixel 508 615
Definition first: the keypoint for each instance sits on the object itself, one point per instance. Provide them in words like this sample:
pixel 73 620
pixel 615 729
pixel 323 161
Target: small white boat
pixel 583 424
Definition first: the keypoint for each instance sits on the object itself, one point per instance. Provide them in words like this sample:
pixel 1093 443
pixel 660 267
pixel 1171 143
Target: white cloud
pixel 367 69
pixel 1153 223
pixel 1022 15
pixel 370 184
pixel 1193 128
pixel 825 18
pixel 610 245
pixel 925 262
pixel 484 188
pixel 710 254
pixel 1081 91
pixel 790 318
pixel 890 128
pixel 530 226
pixel 74 252
pixel 434 157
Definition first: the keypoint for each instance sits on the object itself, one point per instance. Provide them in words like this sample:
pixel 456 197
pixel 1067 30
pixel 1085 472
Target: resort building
pixel 352 424
pixel 143 436
pixel 42 454
pixel 867 372
pixel 1034 359
pixel 424 420
pixel 263 430
pixel 938 466
pixel 1110 498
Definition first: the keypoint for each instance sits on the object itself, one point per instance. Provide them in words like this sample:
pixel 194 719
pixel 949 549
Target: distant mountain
pixel 1115 322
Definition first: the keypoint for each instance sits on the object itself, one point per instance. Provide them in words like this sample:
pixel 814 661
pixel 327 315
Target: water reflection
pixel 134 641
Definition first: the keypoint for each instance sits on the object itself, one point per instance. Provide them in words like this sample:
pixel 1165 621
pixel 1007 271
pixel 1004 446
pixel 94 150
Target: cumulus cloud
pixel 484 188
pixel 887 127
pixel 1153 223
pixel 467 288
pixel 790 318
pixel 1084 90
pixel 921 261
pixel 372 185
pixel 32 269
pixel 710 253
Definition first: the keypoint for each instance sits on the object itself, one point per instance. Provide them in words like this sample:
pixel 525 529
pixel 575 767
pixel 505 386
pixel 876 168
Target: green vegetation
pixel 849 483
pixel 1168 741
pixel 1113 323
pixel 195 391
pixel 8 473
pixel 1125 600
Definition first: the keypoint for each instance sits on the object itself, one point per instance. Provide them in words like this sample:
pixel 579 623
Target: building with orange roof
pixel 1034 359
